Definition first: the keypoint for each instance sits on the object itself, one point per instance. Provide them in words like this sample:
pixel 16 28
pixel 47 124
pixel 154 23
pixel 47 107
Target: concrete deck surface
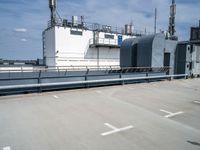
pixel 75 119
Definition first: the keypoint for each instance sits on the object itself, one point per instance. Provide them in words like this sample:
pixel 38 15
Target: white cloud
pixel 24 40
pixel 20 30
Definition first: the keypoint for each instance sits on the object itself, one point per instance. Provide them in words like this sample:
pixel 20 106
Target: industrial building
pixel 148 51
pixel 188 54
pixel 77 54
pixel 161 50
pixel 74 42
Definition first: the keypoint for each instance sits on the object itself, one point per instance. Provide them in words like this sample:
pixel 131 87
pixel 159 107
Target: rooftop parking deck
pixel 148 116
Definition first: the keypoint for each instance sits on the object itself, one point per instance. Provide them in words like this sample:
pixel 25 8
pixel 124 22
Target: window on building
pixel 109 36
pixel 73 32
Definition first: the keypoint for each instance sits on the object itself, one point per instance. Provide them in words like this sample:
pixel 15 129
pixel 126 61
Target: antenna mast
pixel 155 23
pixel 172 24
pixel 52 6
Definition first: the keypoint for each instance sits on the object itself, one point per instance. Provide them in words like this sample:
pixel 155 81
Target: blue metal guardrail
pixel 121 80
pixel 59 79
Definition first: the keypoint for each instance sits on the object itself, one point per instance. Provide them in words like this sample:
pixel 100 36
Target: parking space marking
pixel 170 114
pixel 197 102
pixel 115 129
pixel 6 148
pixel 55 96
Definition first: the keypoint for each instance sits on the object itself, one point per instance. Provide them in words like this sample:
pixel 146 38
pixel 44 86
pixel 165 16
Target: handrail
pixel 87 73
pixel 97 27
pixel 77 68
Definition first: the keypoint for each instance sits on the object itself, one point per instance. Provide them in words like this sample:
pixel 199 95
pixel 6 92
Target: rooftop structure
pixel 195 34
pixel 172 23
pixel 71 42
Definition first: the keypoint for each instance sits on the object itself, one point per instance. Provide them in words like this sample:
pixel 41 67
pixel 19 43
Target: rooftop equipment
pixel 146 51
pixel 195 34
pixel 129 29
pixel 75 21
pixel 82 20
pixel 52 6
pixel 172 24
pixel 155 21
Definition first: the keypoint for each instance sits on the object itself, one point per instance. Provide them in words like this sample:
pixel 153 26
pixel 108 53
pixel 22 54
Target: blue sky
pixel 22 21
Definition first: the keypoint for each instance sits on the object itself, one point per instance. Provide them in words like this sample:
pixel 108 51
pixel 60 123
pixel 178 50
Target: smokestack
pixel 172 24
pixel 52 6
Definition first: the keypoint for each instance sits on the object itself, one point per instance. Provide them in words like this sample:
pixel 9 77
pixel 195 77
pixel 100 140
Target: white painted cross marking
pixel 170 114
pixel 115 129
pixel 197 102
pixel 55 96
pixel 6 148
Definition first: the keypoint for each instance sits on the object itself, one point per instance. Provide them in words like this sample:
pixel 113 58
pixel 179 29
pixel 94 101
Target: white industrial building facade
pixel 72 46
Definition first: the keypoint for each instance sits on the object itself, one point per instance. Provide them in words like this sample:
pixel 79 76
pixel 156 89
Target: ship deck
pixel 147 116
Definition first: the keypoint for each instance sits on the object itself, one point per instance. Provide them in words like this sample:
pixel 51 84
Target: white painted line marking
pixel 170 114
pixel 197 102
pixel 110 126
pixel 165 111
pixel 6 148
pixel 55 96
pixel 173 114
pixel 115 129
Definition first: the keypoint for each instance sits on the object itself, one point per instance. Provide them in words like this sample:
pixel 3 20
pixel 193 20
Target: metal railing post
pixel 65 72
pixel 39 81
pixel 120 76
pixel 39 77
pixel 147 74
pixel 86 77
